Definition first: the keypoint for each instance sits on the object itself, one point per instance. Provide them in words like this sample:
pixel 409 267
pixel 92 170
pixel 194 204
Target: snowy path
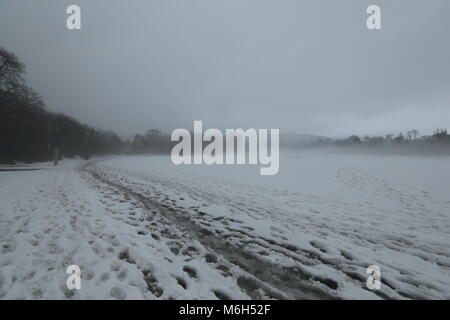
pixel 145 232
pixel 67 217
pixel 298 244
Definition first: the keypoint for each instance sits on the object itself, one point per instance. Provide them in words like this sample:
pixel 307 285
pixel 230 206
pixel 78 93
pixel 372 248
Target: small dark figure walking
pixel 55 156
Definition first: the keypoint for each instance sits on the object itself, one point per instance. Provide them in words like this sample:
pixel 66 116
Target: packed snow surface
pixel 140 227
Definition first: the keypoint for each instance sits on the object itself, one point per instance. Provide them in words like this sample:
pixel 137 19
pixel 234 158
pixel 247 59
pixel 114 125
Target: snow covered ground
pixel 141 227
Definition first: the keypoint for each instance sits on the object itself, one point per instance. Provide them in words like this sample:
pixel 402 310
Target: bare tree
pixel 413 135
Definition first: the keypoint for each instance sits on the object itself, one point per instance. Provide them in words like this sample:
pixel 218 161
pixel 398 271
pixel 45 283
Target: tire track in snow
pixel 275 280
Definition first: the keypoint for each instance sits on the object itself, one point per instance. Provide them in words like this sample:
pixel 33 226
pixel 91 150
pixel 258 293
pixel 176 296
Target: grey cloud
pixel 302 66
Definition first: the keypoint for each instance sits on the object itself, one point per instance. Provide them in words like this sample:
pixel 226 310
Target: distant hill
pixel 299 139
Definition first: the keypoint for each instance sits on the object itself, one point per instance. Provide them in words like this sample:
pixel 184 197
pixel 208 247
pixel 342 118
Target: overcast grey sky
pixel 308 66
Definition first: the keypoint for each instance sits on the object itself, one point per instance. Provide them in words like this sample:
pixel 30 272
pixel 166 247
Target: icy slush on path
pixel 140 227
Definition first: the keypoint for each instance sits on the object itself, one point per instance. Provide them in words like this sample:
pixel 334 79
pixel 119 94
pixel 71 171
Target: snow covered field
pixel 141 227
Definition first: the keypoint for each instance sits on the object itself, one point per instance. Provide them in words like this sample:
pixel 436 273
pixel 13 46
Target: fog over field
pixel 141 227
pixel 239 149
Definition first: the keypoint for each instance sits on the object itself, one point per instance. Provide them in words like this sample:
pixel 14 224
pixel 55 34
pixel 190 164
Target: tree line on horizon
pixel 29 132
pixel 438 142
